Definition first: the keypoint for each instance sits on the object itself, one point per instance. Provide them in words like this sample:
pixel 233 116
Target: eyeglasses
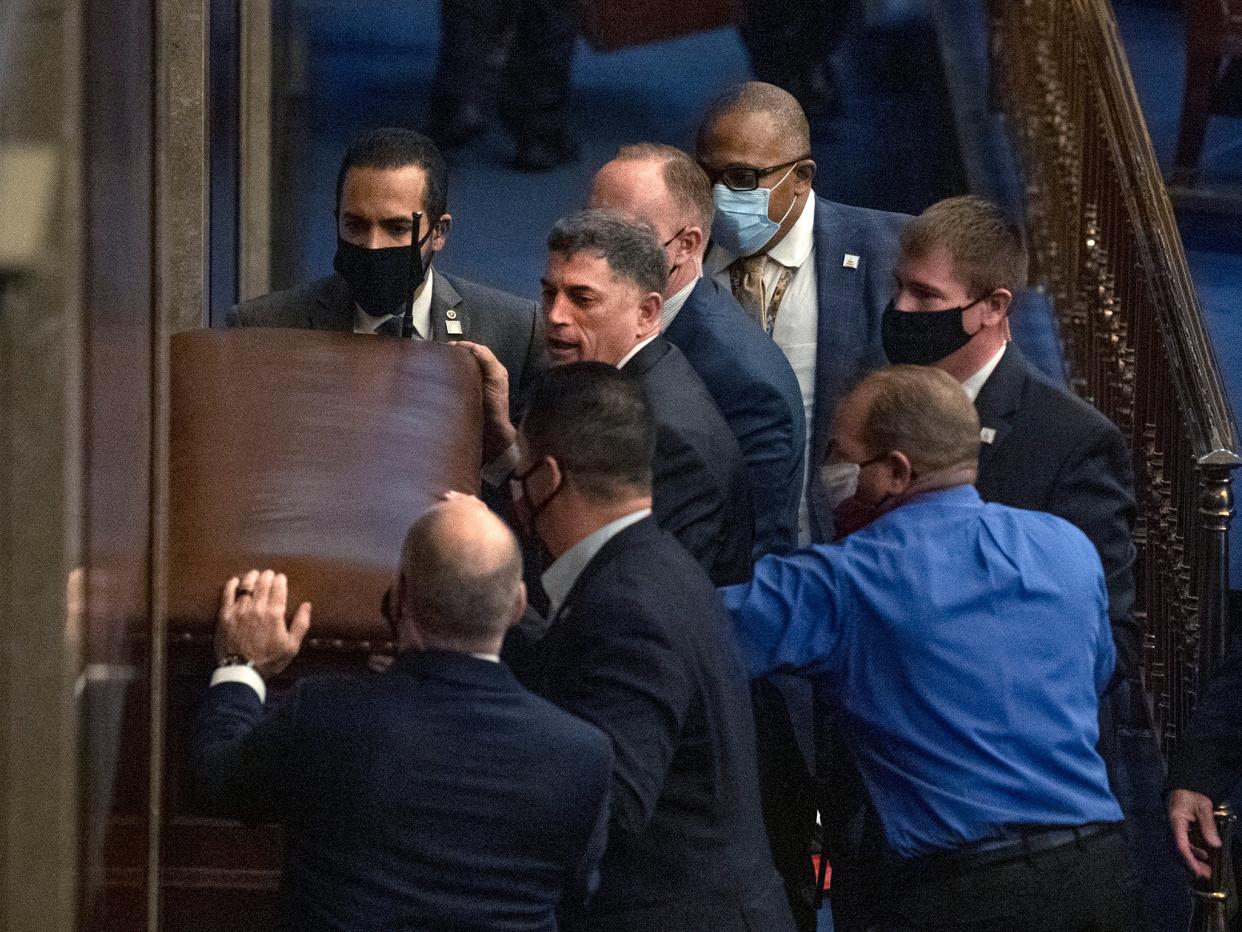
pixel 742 177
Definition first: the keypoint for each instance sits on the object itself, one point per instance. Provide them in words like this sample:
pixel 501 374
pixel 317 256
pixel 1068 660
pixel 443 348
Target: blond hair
pixel 985 246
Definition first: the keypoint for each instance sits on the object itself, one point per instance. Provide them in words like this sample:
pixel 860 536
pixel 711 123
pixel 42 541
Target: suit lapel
pixel 999 399
pixel 646 358
pixel 445 300
pixel 636 533
pixel 839 290
pixel 333 308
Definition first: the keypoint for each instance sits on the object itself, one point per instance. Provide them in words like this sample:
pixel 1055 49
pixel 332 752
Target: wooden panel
pixel 608 25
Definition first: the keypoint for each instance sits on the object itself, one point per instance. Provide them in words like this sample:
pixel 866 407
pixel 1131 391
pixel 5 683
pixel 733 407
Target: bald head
pixel 916 410
pixel 461 578
pixel 656 183
pixel 782 115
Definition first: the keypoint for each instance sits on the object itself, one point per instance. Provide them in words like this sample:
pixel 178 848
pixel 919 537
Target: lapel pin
pixel 450 314
pixel 987 434
pixel 453 326
pixel 850 262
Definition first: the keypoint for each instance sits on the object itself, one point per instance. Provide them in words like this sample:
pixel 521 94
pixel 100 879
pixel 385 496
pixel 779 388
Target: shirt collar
pixel 635 350
pixel 974 384
pixel 559 578
pixel 790 252
pixel 675 303
pixel 494 658
pixel 365 323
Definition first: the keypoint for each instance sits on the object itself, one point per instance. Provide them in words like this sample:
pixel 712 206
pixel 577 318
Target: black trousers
pixel 785 37
pixel 1088 885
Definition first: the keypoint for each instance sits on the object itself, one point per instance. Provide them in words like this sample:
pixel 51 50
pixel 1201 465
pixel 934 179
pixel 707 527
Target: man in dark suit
pixel 384 281
pixel 1207 766
pixel 747 375
pixel 414 799
pixel 814 274
pixel 960 265
pixel 637 646
pixel 601 301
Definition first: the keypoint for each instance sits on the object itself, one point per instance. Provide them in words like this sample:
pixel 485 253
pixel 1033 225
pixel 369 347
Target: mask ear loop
pixel 777 185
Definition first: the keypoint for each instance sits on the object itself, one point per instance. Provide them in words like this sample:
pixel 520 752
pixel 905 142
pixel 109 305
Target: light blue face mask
pixel 742 225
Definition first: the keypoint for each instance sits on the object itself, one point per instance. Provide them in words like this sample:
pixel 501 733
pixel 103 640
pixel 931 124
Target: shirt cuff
pixel 240 673
pixel 501 468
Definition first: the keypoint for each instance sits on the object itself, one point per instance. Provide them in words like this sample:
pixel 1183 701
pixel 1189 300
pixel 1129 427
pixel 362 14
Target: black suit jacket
pixel 1054 452
pixel 1209 758
pixel 511 327
pixel 416 799
pixel 699 489
pixel 757 392
pixel 641 650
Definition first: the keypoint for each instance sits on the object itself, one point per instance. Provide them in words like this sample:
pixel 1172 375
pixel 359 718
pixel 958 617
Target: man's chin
pixel 560 355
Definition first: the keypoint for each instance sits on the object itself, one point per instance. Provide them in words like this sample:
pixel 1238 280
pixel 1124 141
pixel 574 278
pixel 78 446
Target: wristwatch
pixel 234 660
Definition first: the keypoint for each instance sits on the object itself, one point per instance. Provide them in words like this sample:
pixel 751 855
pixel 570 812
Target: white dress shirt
pixel 365 323
pixel 974 384
pixel 796 329
pixel 559 578
pixel 668 313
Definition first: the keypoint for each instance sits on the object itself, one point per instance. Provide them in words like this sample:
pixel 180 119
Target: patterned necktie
pixel 746 282
pixel 746 279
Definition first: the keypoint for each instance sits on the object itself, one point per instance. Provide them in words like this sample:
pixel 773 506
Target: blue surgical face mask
pixel 742 225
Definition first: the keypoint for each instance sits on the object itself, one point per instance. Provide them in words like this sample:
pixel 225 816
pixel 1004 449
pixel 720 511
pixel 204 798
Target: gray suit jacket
pixel 511 327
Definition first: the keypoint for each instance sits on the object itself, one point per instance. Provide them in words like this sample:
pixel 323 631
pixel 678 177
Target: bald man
pixel 816 275
pixel 746 374
pixel 410 799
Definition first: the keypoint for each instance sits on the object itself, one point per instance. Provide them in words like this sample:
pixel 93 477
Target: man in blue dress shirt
pixel 965 645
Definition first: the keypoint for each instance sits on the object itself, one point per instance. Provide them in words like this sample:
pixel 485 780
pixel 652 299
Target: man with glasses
pixel 965 645
pixel 814 274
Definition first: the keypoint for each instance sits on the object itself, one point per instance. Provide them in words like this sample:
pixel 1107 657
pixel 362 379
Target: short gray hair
pixel 458 591
pixel 921 412
pixel 630 246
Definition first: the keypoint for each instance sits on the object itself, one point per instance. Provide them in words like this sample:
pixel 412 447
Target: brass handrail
pixel 1105 243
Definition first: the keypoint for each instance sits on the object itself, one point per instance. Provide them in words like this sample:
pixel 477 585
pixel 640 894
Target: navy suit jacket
pixel 1209 758
pixel 511 327
pixel 756 391
pixel 1053 452
pixel 698 477
pixel 641 649
pixel 419 799
pixel 851 304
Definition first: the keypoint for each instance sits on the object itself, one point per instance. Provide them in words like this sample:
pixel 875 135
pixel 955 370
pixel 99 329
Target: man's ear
pixel 440 232
pixel 996 306
pixel 689 244
pixel 902 472
pixel 649 314
pixel 519 605
pixel 803 175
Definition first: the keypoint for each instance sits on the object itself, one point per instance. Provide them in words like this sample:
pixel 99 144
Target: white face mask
pixel 840 481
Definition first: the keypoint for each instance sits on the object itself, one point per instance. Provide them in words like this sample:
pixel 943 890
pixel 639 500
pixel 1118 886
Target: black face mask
pixel 381 280
pixel 921 338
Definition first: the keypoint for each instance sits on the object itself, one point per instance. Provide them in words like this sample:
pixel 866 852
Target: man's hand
pixel 498 431
pixel 1185 809
pixel 251 622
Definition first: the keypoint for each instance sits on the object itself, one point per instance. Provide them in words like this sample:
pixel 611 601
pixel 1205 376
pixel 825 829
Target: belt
pixel 998 850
